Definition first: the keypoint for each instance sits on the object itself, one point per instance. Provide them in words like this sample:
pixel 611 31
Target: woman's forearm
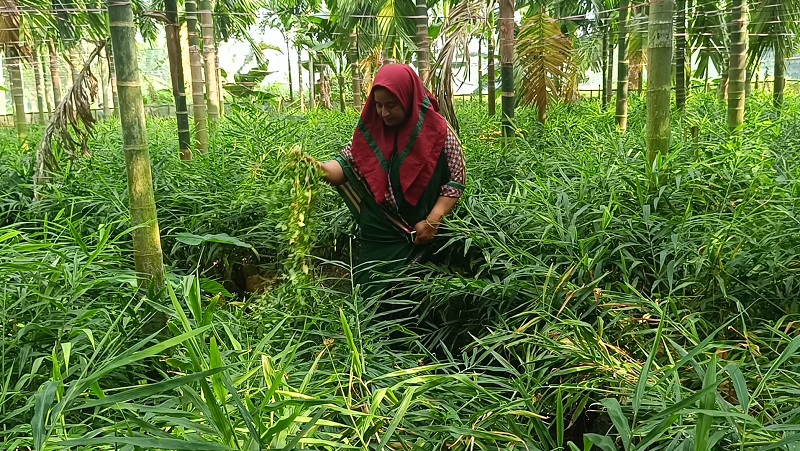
pixel 334 175
pixel 443 207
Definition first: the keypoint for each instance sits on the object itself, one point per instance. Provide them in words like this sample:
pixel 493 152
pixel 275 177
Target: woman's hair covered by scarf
pixel 419 139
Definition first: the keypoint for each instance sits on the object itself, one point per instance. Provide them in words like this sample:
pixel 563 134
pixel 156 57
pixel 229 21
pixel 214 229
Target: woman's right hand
pixel 334 175
pixel 311 160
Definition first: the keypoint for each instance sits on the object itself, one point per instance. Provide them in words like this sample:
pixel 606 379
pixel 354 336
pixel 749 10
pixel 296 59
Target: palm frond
pixel 396 24
pixel 466 20
pixel 545 61
pixel 772 27
pixel 71 124
pixel 9 22
pixel 709 35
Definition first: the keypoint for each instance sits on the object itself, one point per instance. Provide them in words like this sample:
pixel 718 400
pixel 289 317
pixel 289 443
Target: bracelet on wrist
pixel 434 225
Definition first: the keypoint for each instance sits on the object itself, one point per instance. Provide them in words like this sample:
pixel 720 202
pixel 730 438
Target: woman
pixel 401 174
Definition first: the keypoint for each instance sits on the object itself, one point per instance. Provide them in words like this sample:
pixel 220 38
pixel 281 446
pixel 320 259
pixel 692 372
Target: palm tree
pixel 659 78
pixel 176 75
pixel 209 61
pixel 312 102
pixel 608 52
pixel 773 29
pixel 680 55
pixel 2 87
pixel 738 62
pixel 37 75
pixel 545 61
pixel 638 23
pixel 490 68
pixel 12 46
pixel 708 35
pixel 621 113
pixel 355 73
pixel 375 27
pixel 198 96
pixel 13 63
pixel 147 253
pixel 422 42
pixel 507 28
pixel 284 21
pixel 104 78
pixel 463 22
pixel 55 71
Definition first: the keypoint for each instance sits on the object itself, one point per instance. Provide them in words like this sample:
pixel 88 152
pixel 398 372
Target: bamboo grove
pixel 545 49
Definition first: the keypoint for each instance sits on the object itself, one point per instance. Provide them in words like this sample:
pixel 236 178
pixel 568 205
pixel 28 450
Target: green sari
pixel 384 234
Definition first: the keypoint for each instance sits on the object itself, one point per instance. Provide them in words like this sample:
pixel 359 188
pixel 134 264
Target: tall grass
pixel 581 300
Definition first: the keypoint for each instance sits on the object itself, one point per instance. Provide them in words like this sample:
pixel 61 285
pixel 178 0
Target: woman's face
pixel 389 107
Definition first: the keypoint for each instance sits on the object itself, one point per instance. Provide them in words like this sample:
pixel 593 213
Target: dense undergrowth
pixel 582 299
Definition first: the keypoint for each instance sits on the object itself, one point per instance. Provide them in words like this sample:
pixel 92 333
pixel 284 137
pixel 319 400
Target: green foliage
pixel 581 300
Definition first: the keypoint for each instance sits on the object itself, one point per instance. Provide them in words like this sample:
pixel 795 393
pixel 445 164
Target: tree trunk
pixel 659 78
pixel 209 58
pixel 325 91
pixel 176 75
pixel 48 94
pixel 105 70
pixel 723 86
pixel 680 55
pixel 147 254
pixel 340 76
pixel 353 55
pixel 198 99
pixel 748 83
pixel 423 42
pixel 737 64
pixel 640 80
pixel 780 76
pixel 300 80
pixel 622 67
pixel 219 85
pixel 507 64
pixel 318 85
pixel 17 91
pixel 609 82
pixel 75 61
pixel 490 70
pixel 289 68
pixel 55 73
pixel 311 100
pixel 604 71
pixel 3 99
pixel 113 73
pixel 37 76
pixel 480 71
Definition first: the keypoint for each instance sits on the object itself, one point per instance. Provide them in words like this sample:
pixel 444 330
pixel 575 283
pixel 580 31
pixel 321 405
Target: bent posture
pixel 402 172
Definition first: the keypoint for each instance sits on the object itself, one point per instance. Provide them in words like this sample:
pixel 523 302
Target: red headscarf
pixel 420 138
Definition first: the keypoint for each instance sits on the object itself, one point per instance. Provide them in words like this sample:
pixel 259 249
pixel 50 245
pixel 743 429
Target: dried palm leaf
pixel 545 61
pixel 9 23
pixel 465 21
pixel 71 124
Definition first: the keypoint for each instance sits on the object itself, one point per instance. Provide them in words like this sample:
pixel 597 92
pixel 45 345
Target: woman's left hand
pixel 425 233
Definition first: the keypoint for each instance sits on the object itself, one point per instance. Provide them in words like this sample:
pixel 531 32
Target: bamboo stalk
pixel 507 64
pixel 147 254
pixel 659 78
pixel 178 82
pixel 209 60
pixel 737 64
pixel 621 113
pixel 13 62
pixel 198 97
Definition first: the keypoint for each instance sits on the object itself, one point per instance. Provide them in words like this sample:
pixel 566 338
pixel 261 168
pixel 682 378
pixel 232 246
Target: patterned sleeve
pixel 455 162
pixel 347 156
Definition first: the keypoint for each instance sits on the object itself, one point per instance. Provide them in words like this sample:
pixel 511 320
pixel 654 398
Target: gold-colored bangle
pixel 431 225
